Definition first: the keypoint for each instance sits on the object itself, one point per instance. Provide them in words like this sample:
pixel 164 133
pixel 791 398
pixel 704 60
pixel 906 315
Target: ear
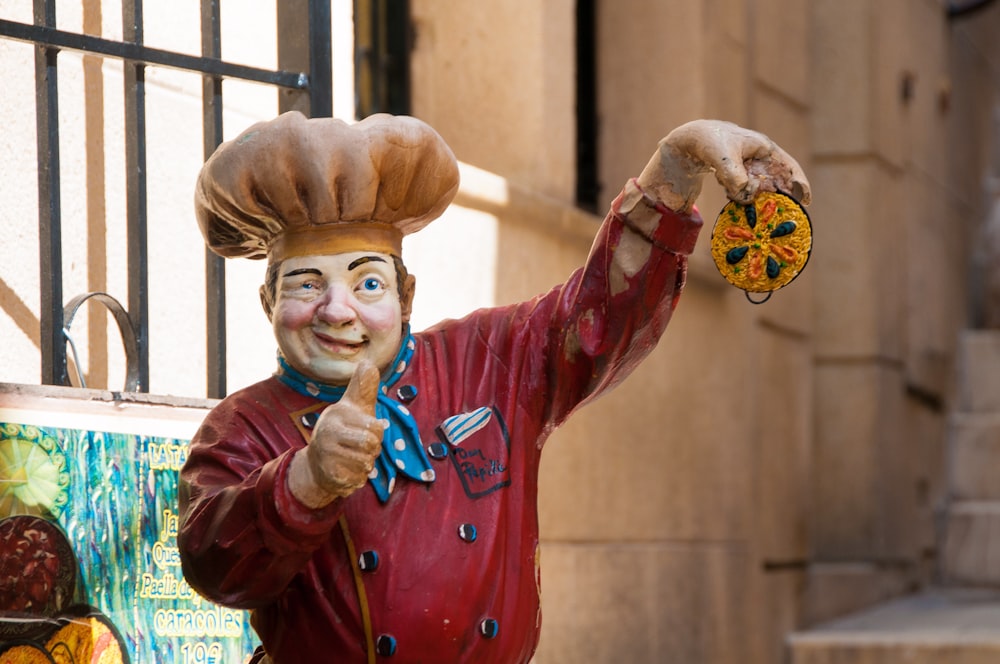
pixel 265 301
pixel 406 296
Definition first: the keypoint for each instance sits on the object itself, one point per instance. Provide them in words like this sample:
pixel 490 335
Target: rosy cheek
pixel 292 316
pixel 382 318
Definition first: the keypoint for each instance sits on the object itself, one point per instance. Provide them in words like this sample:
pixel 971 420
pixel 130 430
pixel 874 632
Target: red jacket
pixel 445 572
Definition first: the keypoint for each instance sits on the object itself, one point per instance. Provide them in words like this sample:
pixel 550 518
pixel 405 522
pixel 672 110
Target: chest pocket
pixel 478 446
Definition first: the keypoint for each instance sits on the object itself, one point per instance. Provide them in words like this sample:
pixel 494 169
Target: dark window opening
pixel 382 40
pixel 587 184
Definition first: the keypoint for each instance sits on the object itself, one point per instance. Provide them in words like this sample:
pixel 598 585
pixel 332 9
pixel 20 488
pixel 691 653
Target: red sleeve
pixel 603 335
pixel 561 349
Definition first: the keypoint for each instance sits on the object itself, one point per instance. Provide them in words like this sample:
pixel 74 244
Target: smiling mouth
pixel 340 346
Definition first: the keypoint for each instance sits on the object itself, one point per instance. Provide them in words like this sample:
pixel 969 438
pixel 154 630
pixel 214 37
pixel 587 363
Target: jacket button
pixel 437 451
pixel 490 628
pixel 386 645
pixel 309 420
pixel 368 561
pixel 467 532
pixel 407 393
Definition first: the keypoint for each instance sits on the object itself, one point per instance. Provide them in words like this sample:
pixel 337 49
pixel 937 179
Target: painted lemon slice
pixel 33 477
pixel 762 246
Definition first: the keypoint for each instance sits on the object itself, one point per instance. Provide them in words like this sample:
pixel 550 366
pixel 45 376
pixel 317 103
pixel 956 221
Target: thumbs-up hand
pixel 346 441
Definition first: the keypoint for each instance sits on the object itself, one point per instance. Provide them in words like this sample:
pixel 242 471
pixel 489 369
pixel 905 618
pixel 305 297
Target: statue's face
pixel 330 312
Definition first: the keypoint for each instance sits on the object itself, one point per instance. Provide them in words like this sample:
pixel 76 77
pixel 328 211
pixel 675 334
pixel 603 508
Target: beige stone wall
pixel 900 97
pixel 767 466
pixel 496 79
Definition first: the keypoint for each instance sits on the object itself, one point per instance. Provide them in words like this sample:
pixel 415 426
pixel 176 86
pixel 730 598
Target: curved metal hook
pixel 125 328
pixel 753 301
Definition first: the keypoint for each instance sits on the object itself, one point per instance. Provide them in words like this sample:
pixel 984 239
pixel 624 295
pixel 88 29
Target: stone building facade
pixel 769 467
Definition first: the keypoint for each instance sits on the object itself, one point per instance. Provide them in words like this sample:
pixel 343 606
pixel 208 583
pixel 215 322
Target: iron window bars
pixel 309 90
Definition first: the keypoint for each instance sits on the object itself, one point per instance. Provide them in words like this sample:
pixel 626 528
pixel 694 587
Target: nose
pixel 335 307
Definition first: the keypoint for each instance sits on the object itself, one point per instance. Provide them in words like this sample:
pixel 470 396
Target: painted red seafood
pixel 37 574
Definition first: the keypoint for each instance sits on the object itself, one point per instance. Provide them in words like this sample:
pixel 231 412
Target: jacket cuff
pixel 675 232
pixel 285 520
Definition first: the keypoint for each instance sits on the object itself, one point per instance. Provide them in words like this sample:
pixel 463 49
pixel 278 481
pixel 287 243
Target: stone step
pixel 974 447
pixel 979 372
pixel 940 626
pixel 971 553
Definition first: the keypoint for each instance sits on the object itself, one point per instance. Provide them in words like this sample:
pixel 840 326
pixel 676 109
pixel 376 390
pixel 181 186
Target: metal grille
pixel 306 82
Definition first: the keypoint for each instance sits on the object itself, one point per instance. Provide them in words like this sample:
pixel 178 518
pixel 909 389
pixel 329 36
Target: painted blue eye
pixel 371 284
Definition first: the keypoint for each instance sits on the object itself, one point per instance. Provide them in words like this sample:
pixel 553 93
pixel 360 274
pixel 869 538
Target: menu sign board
pixel 90 567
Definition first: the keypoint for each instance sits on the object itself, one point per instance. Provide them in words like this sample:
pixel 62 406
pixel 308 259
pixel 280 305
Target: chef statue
pixel 376 497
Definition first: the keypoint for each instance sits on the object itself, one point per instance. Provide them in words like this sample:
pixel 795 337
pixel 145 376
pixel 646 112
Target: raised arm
pixel 612 313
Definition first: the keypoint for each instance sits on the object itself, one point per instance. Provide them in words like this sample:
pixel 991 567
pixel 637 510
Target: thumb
pixel 733 177
pixel 362 391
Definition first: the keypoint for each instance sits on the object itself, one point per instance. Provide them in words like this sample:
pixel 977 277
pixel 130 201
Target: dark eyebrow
pixel 303 270
pixel 365 259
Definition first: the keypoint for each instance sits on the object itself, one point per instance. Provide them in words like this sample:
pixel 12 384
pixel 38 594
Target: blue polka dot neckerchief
pixel 402 451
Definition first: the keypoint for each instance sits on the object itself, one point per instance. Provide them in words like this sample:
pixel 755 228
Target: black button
pixel 368 561
pixel 467 532
pixel 437 450
pixel 309 420
pixel 490 628
pixel 407 393
pixel 386 645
